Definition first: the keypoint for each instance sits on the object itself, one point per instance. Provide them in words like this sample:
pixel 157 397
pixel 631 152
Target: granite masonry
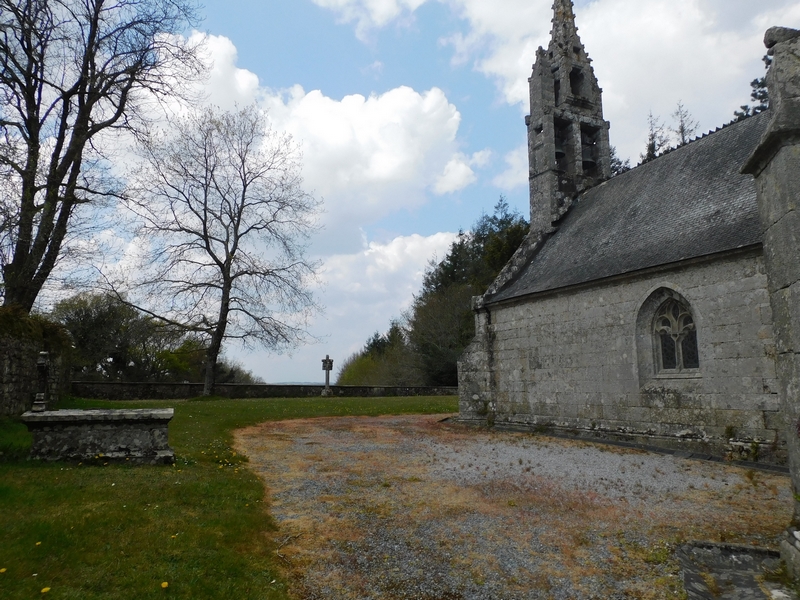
pixel 584 360
pixel 134 436
pixel 19 376
pixel 638 307
pixel 776 166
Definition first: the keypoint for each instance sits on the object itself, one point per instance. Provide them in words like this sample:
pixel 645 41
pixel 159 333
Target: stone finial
pixel 776 35
pixel 783 81
pixel 565 31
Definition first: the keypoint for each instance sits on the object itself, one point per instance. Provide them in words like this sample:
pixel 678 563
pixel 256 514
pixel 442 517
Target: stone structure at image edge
pixel 638 306
pixel 776 166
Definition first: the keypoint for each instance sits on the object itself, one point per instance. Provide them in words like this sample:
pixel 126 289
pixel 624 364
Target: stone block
pixel 636 415
pixel 138 436
pixel 786 318
pixel 790 553
pixel 591 412
pixel 718 334
pixel 780 182
pixel 569 410
pixel 781 249
pixel 788 367
pixel 776 421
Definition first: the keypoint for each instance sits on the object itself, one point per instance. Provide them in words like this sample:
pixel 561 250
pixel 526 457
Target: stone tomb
pixel 137 436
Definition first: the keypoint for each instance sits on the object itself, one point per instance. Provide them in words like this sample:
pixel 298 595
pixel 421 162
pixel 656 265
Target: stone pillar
pixel 776 166
pixel 475 395
pixel 42 388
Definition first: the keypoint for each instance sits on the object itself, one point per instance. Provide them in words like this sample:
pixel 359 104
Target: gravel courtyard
pixel 410 507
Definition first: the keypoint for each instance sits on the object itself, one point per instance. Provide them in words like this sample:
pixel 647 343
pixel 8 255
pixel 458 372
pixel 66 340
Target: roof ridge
pixel 695 204
pixel 709 133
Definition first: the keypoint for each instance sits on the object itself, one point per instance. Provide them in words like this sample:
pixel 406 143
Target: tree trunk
pixel 212 354
pixel 211 368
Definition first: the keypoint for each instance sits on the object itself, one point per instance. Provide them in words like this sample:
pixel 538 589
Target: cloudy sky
pixel 410 117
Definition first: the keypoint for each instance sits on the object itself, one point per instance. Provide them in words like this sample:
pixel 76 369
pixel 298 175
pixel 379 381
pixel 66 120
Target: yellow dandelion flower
pixel 3 570
pixel 38 543
pixel 45 590
pixel 164 585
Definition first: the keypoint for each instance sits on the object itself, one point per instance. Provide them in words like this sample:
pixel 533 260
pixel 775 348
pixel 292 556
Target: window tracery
pixel 676 338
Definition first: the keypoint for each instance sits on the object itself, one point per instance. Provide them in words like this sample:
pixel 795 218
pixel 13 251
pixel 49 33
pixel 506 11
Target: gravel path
pixel 408 507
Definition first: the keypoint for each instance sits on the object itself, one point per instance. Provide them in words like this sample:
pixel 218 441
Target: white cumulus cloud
pixel 458 172
pixel 227 84
pixel 383 274
pixel 648 54
pixel 516 173
pixel 369 157
pixel 369 14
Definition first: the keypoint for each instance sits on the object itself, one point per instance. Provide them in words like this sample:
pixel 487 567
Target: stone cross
pixel 327 366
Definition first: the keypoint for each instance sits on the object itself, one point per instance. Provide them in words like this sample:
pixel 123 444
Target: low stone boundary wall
pixel 750 453
pixel 136 436
pixel 175 391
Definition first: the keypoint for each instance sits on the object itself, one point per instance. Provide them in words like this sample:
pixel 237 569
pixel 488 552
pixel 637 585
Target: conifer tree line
pixel 423 346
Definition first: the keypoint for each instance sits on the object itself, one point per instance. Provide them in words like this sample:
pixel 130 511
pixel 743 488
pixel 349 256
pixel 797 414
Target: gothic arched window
pixel 676 338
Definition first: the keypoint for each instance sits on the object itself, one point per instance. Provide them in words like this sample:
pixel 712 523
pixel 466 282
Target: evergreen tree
pixel 685 126
pixel 424 348
pixel 657 139
pixel 759 94
pixel 618 166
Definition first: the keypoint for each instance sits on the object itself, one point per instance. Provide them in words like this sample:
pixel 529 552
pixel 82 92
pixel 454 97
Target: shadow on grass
pixel 15 440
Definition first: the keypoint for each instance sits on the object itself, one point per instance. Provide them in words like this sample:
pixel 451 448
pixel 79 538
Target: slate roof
pixel 688 203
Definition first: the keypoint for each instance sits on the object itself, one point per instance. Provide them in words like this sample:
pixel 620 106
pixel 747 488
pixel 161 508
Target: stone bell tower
pixel 568 145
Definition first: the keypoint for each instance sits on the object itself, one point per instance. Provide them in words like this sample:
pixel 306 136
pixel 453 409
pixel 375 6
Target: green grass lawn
pixel 116 531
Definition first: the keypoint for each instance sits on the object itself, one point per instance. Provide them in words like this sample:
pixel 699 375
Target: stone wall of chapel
pixel 572 359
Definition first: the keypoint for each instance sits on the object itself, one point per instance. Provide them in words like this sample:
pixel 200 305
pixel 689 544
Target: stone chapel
pixel 637 308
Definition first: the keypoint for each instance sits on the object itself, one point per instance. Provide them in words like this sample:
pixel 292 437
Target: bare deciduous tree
pixel 71 70
pixel 226 220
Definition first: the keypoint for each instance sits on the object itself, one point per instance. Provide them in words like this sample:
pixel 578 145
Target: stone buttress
pixel 776 166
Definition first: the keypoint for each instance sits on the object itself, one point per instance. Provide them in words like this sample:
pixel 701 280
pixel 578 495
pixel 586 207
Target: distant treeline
pixel 422 347
pixel 112 341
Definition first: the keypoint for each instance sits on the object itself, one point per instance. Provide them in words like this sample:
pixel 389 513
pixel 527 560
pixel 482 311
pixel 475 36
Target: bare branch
pixel 70 72
pixel 221 204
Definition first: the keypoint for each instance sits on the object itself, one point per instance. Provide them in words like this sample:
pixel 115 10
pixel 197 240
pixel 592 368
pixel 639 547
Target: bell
pixel 589 161
pixel 560 153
